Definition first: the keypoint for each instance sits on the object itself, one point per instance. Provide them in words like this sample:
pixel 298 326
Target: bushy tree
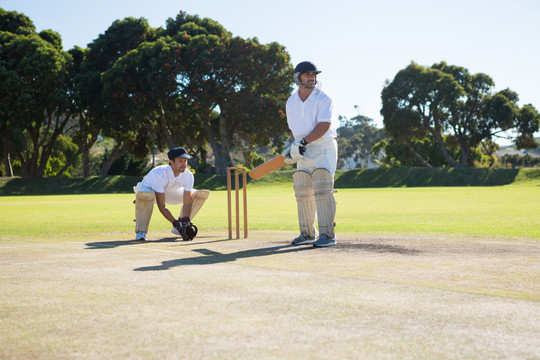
pixel 34 101
pixel 16 23
pixel 189 84
pixel 63 150
pixel 445 100
pixel 238 87
pixel 194 84
pixel 424 152
pixel 120 38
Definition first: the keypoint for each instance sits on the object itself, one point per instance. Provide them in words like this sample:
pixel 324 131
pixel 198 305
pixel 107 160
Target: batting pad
pixel 323 188
pixel 197 200
pixel 305 201
pixel 144 205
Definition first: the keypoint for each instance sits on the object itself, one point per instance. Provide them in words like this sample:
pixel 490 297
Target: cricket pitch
pixel 369 297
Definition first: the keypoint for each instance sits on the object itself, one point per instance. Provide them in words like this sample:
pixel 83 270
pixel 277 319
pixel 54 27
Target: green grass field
pixel 509 211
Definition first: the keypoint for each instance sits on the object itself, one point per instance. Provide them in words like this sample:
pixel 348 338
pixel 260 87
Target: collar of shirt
pixel 169 171
pixel 309 98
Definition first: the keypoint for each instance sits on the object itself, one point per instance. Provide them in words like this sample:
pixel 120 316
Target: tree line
pixel 192 83
pixel 515 160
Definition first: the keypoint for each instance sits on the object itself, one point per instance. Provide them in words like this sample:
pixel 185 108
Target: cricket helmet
pixel 304 67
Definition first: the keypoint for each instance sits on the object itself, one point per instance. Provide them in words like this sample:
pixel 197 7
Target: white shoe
pixel 140 236
pixel 175 231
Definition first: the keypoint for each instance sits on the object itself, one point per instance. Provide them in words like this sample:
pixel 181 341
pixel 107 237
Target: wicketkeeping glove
pixel 185 227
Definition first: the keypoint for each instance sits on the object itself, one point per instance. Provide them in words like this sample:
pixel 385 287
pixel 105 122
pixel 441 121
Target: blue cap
pixel 178 152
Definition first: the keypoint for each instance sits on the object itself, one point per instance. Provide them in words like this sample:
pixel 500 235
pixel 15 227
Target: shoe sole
pixel 303 243
pixel 324 245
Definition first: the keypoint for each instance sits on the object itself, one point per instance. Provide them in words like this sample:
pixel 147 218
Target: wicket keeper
pixel 314 150
pixel 169 184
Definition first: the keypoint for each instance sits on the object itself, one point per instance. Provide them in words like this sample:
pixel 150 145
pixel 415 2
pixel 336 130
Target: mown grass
pixel 509 211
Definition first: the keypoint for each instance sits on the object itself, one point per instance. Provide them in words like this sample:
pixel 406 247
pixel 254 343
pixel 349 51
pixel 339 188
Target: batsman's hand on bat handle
pixel 302 147
pixel 287 156
pixel 298 148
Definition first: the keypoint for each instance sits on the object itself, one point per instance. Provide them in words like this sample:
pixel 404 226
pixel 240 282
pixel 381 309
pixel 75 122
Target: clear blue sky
pixel 357 44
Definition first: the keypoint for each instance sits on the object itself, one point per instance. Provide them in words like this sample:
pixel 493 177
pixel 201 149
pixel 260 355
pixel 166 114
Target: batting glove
pixel 298 148
pixel 287 155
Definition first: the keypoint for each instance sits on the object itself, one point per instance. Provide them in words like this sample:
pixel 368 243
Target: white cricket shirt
pixel 303 116
pixel 161 179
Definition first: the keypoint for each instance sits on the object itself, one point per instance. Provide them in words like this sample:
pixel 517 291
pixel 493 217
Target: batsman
pixel 314 150
pixel 169 184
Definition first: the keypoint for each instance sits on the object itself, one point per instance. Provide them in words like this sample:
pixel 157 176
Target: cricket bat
pixel 267 167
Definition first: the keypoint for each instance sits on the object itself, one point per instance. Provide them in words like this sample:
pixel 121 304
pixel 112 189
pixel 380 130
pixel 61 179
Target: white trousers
pixel 321 153
pixel 171 197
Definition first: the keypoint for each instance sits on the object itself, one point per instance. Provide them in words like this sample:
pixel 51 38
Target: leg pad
pixel 323 188
pixel 197 200
pixel 144 205
pixel 303 190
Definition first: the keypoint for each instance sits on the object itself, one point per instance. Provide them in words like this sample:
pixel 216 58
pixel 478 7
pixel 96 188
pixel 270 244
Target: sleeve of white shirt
pixel 155 180
pixel 326 108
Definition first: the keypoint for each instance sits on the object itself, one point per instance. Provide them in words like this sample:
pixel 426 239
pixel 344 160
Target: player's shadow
pixel 117 243
pixel 213 257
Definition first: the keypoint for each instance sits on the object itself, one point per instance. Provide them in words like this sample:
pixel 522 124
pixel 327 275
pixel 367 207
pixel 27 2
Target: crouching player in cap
pixel 169 184
pixel 309 115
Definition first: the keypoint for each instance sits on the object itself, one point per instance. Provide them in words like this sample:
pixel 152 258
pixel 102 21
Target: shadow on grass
pixel 117 243
pixel 214 257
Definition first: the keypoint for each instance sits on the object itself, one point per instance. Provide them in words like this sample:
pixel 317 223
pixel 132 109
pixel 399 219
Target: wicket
pixel 236 171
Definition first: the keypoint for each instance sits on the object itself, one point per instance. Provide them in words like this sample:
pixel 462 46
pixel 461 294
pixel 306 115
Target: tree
pixel 424 152
pixel 237 86
pixel 356 138
pixel 84 132
pixel 190 84
pixel 33 98
pixel 489 147
pixel 196 84
pixel 120 38
pixel 63 150
pixel 142 88
pixel 16 23
pixel 527 124
pixel 445 99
